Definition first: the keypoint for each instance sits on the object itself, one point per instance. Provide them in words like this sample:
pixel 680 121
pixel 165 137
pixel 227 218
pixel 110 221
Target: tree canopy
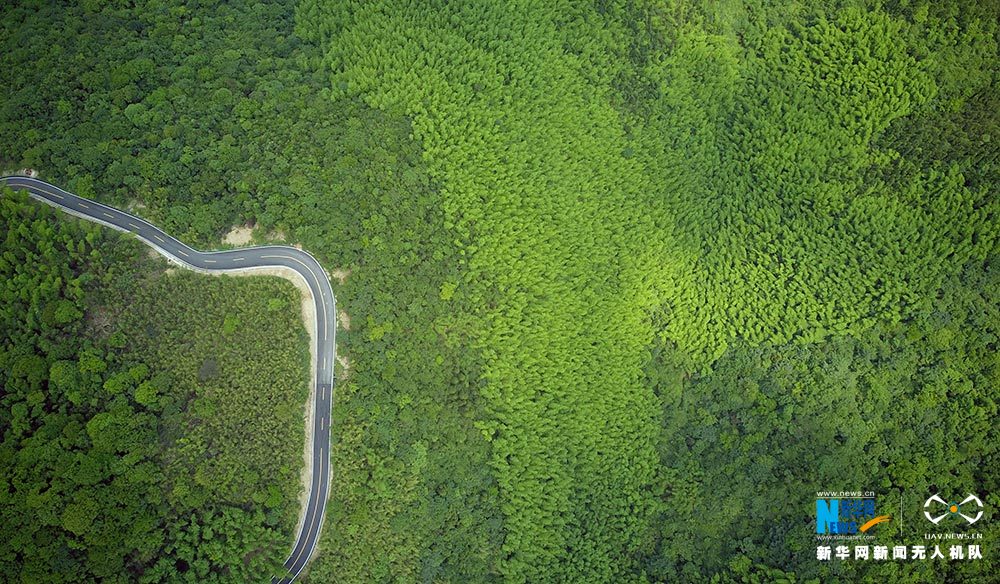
pixel 615 275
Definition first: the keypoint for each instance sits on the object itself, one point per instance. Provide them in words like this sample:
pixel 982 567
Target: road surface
pixel 239 259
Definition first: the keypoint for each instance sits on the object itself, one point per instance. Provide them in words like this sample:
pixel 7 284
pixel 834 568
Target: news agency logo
pixel 849 515
pixel 936 504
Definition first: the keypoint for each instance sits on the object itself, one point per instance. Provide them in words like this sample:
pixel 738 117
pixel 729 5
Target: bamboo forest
pixel 627 291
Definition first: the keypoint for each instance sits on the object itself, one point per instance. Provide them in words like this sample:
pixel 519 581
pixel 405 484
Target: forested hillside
pixel 903 407
pixel 151 421
pixel 613 174
pixel 205 113
pixel 625 281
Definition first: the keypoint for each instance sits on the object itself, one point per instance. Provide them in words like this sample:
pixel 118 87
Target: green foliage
pixel 773 170
pixel 553 246
pixel 98 438
pixel 204 114
pixel 725 169
pixel 901 408
pixel 603 261
pixel 242 404
pixel 413 498
pixel 215 115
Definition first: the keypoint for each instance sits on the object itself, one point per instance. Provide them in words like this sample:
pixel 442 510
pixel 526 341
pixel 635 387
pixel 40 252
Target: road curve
pixel 220 262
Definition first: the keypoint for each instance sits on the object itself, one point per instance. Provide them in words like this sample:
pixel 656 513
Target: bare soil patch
pixel 345 372
pixel 239 235
pixel 340 275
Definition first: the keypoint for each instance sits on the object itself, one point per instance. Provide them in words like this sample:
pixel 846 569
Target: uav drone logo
pixel 953 509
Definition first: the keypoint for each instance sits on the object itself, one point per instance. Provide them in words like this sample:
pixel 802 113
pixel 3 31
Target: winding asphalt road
pixel 239 259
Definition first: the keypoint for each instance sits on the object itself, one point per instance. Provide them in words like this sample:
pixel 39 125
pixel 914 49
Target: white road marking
pixel 238 259
pixel 84 205
pixel 308 528
pixel 134 226
pixel 160 239
pixel 209 261
pixel 108 215
pixel 48 192
pixel 312 519
pixel 182 253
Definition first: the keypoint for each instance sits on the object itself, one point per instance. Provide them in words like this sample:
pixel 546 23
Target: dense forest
pixel 151 420
pixel 625 282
